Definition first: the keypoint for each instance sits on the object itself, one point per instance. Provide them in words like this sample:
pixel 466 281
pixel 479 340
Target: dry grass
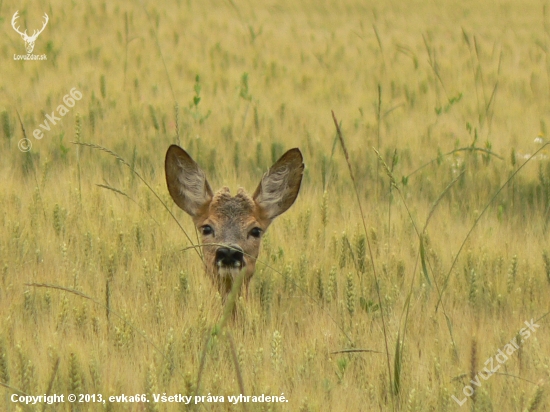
pixel 416 81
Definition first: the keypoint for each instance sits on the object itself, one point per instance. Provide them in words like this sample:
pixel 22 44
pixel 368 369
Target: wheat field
pixel 397 305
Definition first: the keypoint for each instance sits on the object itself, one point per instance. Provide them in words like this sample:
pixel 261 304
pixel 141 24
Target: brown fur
pixel 232 218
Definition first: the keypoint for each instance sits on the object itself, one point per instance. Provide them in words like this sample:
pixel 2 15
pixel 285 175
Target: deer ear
pixel 279 187
pixel 186 181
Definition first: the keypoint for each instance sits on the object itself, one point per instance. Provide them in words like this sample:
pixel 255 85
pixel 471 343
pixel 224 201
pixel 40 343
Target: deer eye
pixel 255 232
pixel 207 230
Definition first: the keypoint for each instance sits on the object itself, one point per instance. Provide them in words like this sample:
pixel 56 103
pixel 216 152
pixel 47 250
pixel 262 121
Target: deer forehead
pixel 236 211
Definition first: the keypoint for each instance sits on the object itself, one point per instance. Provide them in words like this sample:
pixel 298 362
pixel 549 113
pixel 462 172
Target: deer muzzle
pixel 230 257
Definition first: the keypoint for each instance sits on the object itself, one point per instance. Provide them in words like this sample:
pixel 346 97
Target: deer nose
pixel 232 256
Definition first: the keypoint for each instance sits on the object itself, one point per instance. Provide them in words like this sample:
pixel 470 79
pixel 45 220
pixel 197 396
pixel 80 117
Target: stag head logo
pixel 29 40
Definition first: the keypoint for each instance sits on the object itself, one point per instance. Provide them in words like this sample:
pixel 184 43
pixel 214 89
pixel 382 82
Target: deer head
pixel 29 40
pixel 232 226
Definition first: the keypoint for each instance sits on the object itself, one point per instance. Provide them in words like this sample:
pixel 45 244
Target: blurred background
pixel 452 257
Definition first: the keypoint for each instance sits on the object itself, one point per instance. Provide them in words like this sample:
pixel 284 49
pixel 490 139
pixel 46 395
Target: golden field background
pixel 416 81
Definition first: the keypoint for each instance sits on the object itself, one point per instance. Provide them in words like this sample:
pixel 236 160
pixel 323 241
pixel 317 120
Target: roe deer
pixel 232 225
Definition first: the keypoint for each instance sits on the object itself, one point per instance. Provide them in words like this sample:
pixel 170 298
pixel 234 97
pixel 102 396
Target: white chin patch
pixel 228 272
